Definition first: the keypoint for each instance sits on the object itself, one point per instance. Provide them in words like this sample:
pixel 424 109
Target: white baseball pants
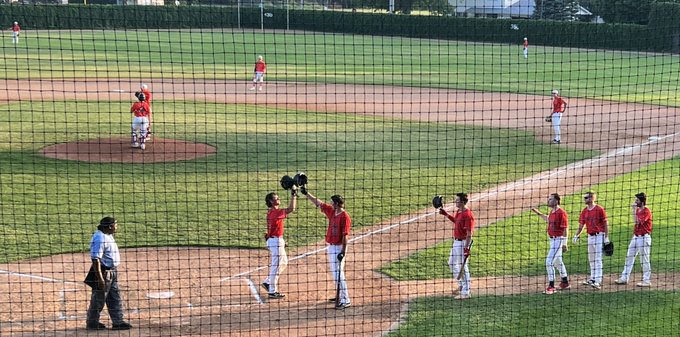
pixel 643 246
pixel 556 121
pixel 15 37
pixel 333 251
pixel 456 262
pixel 554 258
pixel 259 77
pixel 595 243
pixel 277 246
pixel 141 124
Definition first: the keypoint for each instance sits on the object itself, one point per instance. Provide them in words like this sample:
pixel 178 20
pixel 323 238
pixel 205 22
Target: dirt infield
pixel 119 150
pixel 216 291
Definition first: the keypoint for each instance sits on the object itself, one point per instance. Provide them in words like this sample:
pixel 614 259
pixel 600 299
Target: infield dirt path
pixel 620 131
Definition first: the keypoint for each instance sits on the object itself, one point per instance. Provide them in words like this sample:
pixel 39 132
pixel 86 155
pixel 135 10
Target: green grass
pixel 638 313
pixel 351 59
pixel 518 245
pixel 384 168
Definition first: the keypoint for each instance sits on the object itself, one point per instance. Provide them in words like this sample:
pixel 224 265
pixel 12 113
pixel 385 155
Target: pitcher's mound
pixel 120 150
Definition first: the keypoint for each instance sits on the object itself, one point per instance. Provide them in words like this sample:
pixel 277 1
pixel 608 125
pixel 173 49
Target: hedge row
pixel 657 36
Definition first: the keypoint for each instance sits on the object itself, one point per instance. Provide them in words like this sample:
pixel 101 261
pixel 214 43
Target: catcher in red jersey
pixel 558 232
pixel 140 120
pixel 463 226
pixel 275 241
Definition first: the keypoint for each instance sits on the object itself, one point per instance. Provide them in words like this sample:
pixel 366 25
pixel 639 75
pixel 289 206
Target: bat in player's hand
pixel 462 268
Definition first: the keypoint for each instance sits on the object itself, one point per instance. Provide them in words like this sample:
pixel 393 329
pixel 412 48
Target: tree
pixel 623 11
pixel 560 10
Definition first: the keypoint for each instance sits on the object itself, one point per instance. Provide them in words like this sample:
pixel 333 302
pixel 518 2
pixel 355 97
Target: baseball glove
pixel 300 179
pixel 438 201
pixel 287 182
pixel 548 119
pixel 608 249
pixel 565 249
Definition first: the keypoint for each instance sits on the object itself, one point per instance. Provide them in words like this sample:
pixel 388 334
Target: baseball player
pixel 260 70
pixel 275 242
pixel 140 121
pixel 594 218
pixel 559 105
pixel 15 32
pixel 337 237
pixel 525 48
pixel 145 90
pixel 640 243
pixel 463 226
pixel 105 261
pixel 558 232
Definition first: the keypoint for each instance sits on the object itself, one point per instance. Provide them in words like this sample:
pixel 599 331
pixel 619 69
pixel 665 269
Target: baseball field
pixel 387 122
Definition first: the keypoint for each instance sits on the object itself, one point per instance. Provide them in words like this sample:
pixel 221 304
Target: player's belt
pixel 639 236
pixel 557 237
pixel 459 239
pixel 596 233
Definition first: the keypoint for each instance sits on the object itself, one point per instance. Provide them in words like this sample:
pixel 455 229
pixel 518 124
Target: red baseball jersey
pixel 15 28
pixel 147 95
pixel 594 219
pixel 559 104
pixel 644 219
pixel 463 222
pixel 557 222
pixel 275 222
pixel 260 67
pixel 338 224
pixel 140 109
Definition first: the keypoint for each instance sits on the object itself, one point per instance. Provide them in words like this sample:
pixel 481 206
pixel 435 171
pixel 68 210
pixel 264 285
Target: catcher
pixel 558 232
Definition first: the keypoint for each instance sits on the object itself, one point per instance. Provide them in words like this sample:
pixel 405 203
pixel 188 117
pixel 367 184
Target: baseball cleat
pixel 588 282
pixel 555 141
pixel 644 284
pixel 265 285
pixel 342 306
pixel 122 326
pixel 276 295
pixel 135 144
pixel 142 146
pixel 462 297
pixel 595 285
pixel 259 89
pixel 621 281
pixel 251 89
pixel 565 286
pixel 549 290
pixel 96 326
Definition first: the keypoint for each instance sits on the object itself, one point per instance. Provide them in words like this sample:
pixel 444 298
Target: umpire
pixel 105 261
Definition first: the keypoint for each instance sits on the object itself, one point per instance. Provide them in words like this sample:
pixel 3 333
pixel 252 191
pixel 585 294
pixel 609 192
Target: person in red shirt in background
pixel 558 231
pixel 525 48
pixel 145 90
pixel 559 105
pixel 140 120
pixel 641 242
pixel 594 218
pixel 337 237
pixel 463 226
pixel 15 32
pixel 260 70
pixel 275 241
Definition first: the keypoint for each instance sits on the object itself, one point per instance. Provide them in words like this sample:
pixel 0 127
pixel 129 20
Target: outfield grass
pixel 637 313
pixel 348 59
pixel 518 245
pixel 384 168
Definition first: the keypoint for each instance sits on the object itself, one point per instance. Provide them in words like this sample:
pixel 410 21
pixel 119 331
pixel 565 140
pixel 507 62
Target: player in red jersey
pixel 525 48
pixel 16 29
pixel 640 243
pixel 140 120
pixel 559 105
pixel 558 231
pixel 275 242
pixel 337 238
pixel 463 227
pixel 594 218
pixel 145 90
pixel 260 70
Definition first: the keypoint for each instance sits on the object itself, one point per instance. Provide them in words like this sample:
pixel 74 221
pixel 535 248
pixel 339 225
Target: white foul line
pixel 482 196
pixel 253 290
pixel 35 277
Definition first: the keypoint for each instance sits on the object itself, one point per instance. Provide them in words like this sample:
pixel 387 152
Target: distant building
pixel 505 9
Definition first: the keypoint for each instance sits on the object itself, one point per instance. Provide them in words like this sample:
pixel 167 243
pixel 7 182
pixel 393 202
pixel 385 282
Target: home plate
pixel 161 294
